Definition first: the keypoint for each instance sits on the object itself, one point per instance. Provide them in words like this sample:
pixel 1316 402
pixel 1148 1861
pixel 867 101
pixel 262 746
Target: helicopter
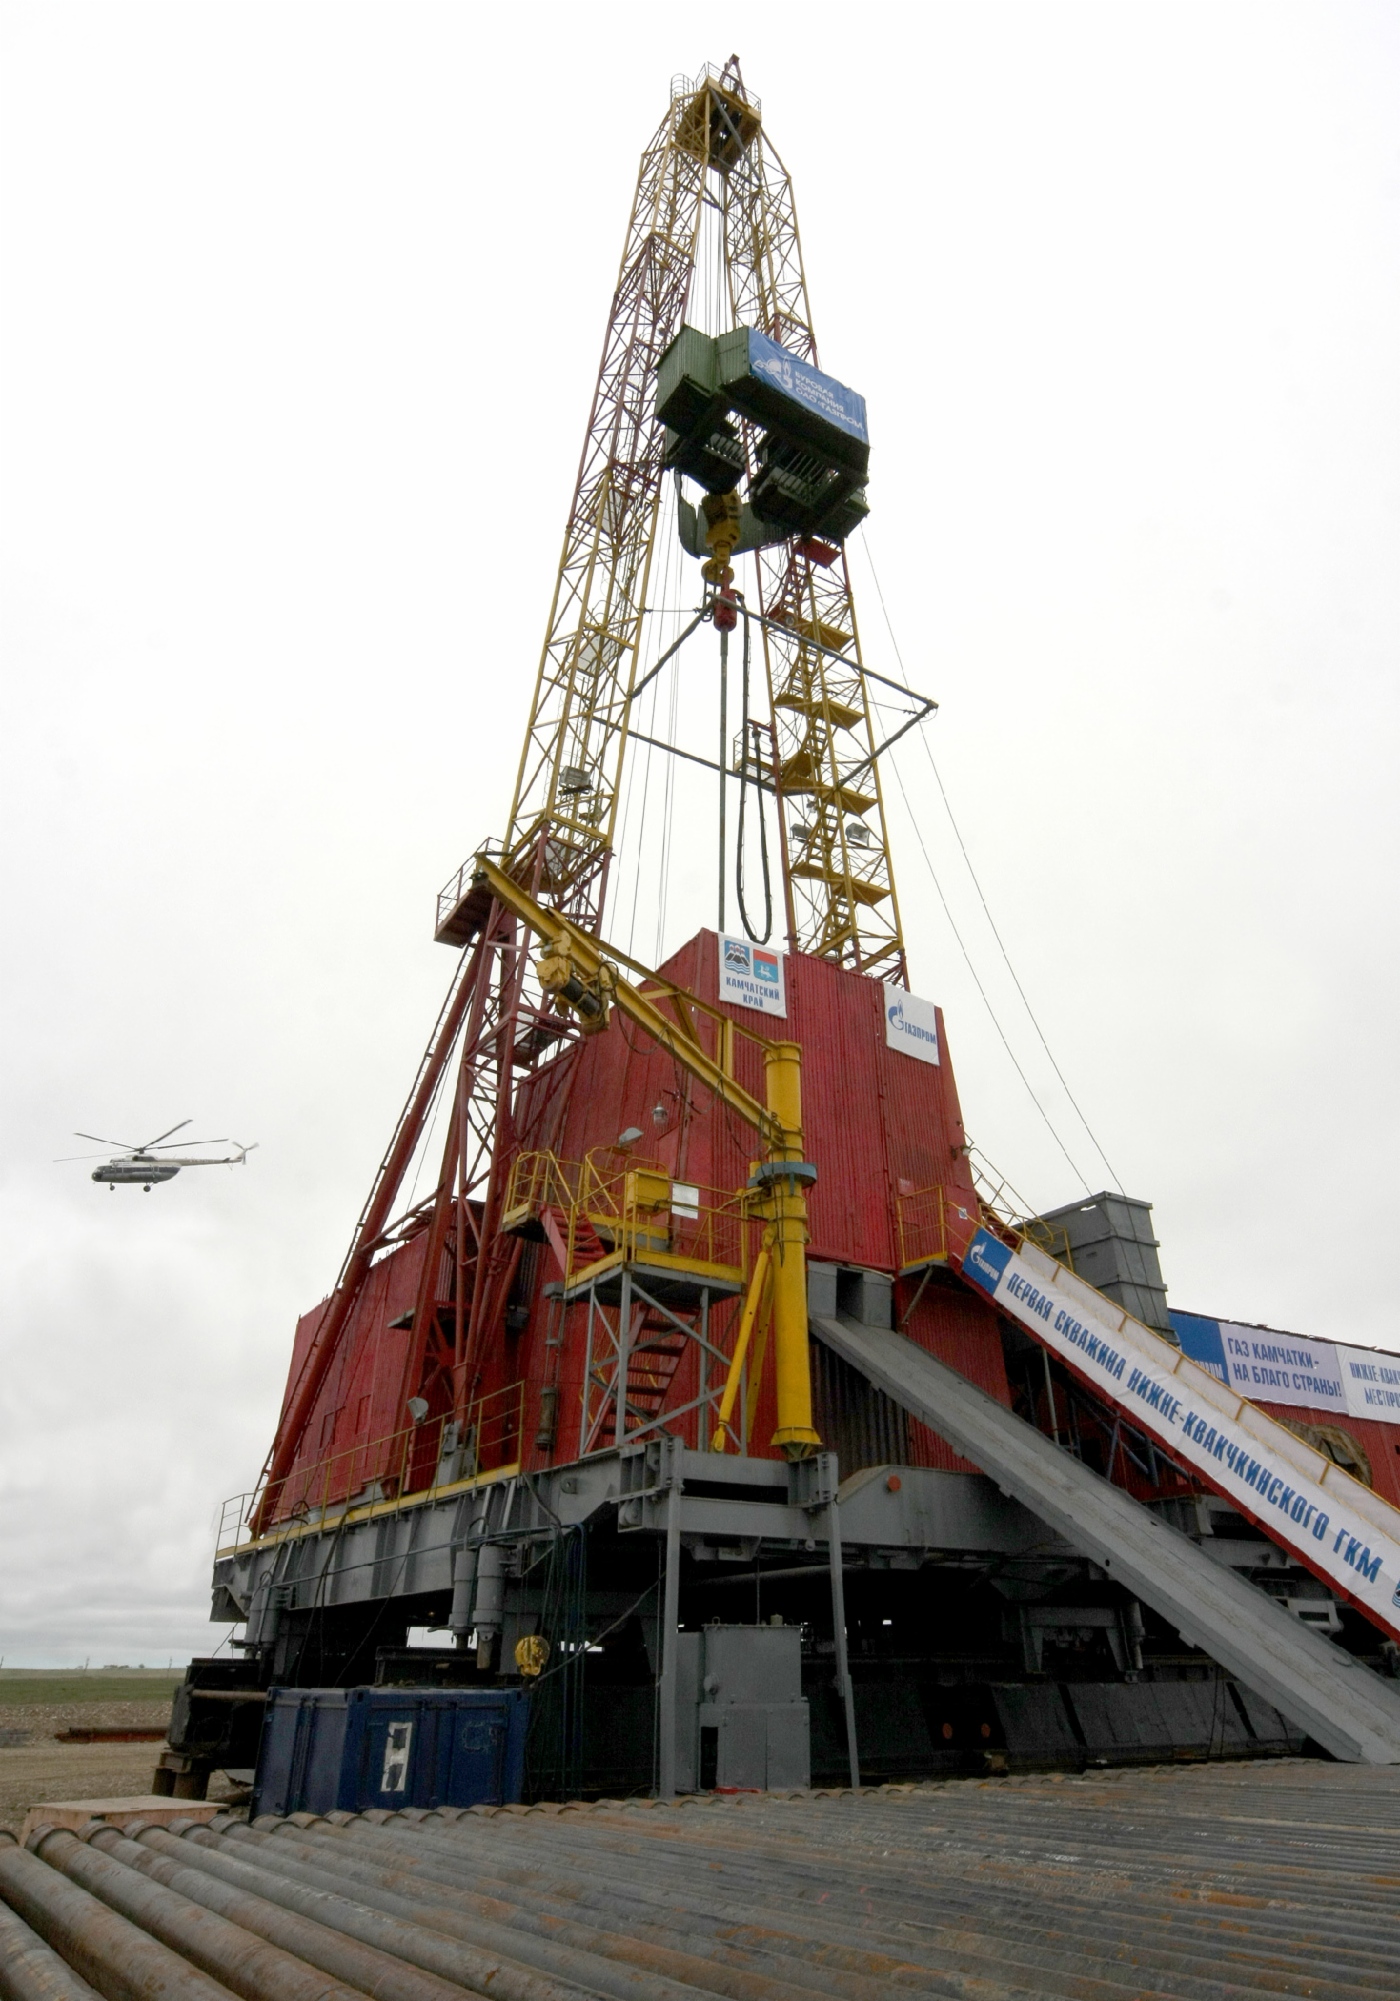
pixel 140 1166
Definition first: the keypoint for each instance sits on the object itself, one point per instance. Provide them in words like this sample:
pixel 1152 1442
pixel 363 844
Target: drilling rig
pixel 708 1395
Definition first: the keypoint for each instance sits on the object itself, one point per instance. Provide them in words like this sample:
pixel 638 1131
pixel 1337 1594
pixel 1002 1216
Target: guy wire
pixel 957 832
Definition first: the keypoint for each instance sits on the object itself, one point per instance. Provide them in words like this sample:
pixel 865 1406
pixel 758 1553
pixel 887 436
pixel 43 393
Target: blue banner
pixel 806 385
pixel 986 1261
pixel 1201 1340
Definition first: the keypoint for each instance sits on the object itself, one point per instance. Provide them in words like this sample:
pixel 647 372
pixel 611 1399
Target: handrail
pixel 635 1208
pixel 922 1222
pixel 381 1470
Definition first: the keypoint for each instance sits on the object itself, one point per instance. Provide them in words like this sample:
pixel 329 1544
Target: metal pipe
pixel 712 1929
pixel 752 1302
pixel 805 1857
pixel 674 750
pixel 227 1952
pixel 591 1861
pixel 655 669
pixel 479 1965
pixel 437 1894
pixel 115 1956
pixel 487 1611
pixel 838 1627
pixel 29 1969
pixel 667 1722
pixel 315 1949
pixel 819 1953
pixel 459 1618
pixel 661 1894
pixel 590 1969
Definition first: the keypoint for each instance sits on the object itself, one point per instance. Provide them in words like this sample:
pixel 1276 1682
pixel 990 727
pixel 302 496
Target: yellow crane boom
pixel 578 970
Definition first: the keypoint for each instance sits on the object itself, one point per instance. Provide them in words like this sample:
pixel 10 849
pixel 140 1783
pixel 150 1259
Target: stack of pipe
pixel 1205 1883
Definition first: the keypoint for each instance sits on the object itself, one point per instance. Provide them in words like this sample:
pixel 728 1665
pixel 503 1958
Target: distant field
pixel 26 1687
pixel 36 1703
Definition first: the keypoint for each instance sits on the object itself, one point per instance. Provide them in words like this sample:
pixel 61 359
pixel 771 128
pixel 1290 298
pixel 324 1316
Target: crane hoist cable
pixel 744 782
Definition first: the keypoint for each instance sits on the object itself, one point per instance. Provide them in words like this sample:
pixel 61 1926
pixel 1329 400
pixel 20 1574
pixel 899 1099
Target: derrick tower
pixel 713 236
pixel 710 162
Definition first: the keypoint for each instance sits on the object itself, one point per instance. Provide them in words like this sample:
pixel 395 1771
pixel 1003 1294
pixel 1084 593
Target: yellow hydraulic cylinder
pixel 782 1064
pixel 752 1307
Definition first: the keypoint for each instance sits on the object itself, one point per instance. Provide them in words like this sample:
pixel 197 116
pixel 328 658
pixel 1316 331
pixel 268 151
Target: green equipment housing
pixel 813 450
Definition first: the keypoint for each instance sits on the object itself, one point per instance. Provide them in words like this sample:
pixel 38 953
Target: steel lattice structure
pixel 563 816
pixel 843 890
pixel 709 150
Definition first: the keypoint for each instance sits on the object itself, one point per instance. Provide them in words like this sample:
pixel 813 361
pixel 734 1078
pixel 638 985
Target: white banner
pixel 1272 1367
pixel 1281 1368
pixel 911 1024
pixel 1337 1527
pixel 1372 1383
pixel 752 975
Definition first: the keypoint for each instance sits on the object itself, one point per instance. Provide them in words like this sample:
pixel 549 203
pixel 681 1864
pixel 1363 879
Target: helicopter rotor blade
pixel 155 1147
pixel 165 1135
pixel 64 1158
pixel 125 1144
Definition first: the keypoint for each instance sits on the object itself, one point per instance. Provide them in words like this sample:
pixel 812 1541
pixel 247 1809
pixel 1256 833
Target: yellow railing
pixel 537 1181
pixel 391 1470
pixel 933 1222
pixel 1052 1238
pixel 613 1209
pixel 923 1227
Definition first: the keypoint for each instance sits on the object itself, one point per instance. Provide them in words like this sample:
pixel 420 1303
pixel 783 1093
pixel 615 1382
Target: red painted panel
pixel 874 1118
pixel 1380 1442
pixel 361 1401
pixel 877 1122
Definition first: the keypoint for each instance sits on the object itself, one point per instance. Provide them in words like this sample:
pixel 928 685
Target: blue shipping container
pixel 352 1748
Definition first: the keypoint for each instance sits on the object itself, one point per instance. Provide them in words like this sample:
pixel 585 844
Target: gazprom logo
pixel 986 1260
pixel 902 1025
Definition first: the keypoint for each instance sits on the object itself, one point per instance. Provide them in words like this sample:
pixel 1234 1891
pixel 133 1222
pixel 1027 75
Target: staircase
pixel 652 1361
pixel 655 1345
pixel 589 1247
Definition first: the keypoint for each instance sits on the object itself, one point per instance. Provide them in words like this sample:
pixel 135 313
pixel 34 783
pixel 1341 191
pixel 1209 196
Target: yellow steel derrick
pixel 844 898
pixel 710 147
pixel 564 811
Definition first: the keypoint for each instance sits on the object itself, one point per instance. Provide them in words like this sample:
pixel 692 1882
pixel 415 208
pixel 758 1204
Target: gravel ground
pixel 24 1724
pixel 36 1768
pixel 71 1772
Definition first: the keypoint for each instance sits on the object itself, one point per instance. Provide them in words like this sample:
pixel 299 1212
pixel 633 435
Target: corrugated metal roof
pixel 1201 1882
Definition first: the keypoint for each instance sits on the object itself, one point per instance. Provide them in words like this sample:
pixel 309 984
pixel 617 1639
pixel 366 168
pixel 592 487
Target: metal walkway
pixel 1346 1708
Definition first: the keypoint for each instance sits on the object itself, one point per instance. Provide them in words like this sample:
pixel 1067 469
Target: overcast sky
pixel 302 310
